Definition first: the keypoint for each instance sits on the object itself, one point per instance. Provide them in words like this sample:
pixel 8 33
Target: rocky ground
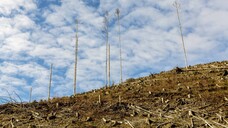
pixel 185 98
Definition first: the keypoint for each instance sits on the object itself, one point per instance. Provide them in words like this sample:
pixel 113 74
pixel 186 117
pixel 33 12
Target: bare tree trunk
pixel 76 58
pixel 106 30
pixel 121 71
pixel 109 66
pixel 30 95
pixel 177 6
pixel 106 68
pixel 49 89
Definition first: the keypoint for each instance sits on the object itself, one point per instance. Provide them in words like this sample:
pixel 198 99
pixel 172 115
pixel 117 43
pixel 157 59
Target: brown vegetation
pixel 193 97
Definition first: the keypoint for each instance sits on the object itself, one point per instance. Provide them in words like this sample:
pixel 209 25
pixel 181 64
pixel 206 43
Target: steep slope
pixel 193 97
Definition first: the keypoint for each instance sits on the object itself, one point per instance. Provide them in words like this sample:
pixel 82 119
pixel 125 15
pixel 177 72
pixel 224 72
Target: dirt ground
pixel 196 97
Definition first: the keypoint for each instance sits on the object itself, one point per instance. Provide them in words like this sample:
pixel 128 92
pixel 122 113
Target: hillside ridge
pixel 193 97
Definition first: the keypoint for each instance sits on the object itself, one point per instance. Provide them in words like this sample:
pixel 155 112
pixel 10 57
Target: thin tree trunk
pixel 121 71
pixel 30 95
pixel 177 5
pixel 109 67
pixel 76 58
pixel 106 29
pixel 49 89
pixel 106 68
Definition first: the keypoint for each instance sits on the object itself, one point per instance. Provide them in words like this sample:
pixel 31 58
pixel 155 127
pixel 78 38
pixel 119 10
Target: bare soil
pixel 184 98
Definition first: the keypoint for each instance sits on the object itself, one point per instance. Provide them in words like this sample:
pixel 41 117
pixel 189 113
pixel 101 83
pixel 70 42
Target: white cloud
pixel 8 6
pixel 17 43
pixel 218 4
pixel 149 32
pixel 23 22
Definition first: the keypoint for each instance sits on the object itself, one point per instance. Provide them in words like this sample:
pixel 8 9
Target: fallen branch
pixel 12 100
pixel 170 117
pixel 19 98
pixel 225 126
pixel 204 121
pixel 225 121
pixel 11 122
pixel 192 123
pixel 143 109
pixel 140 109
pixel 129 123
pixel 205 106
pixel 36 115
pixel 7 125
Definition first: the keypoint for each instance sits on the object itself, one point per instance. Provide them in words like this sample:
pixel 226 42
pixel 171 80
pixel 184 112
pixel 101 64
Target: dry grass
pixel 159 100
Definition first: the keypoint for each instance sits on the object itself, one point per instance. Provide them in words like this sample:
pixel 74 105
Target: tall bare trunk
pixel 49 89
pixel 106 30
pixel 30 95
pixel 109 66
pixel 177 6
pixel 76 58
pixel 121 67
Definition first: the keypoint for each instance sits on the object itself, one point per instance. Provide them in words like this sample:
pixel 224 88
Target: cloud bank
pixel 35 34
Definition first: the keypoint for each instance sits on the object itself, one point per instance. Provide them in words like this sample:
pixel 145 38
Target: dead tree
pixel 106 34
pixel 177 6
pixel 30 95
pixel 49 89
pixel 76 58
pixel 121 71
pixel 109 65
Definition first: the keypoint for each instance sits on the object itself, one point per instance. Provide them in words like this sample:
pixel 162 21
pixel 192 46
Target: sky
pixel 36 33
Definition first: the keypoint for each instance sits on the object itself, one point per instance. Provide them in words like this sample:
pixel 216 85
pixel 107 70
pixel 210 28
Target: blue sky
pixel 36 33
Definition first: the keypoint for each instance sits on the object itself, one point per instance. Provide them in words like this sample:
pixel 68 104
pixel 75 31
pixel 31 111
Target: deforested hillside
pixel 186 98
